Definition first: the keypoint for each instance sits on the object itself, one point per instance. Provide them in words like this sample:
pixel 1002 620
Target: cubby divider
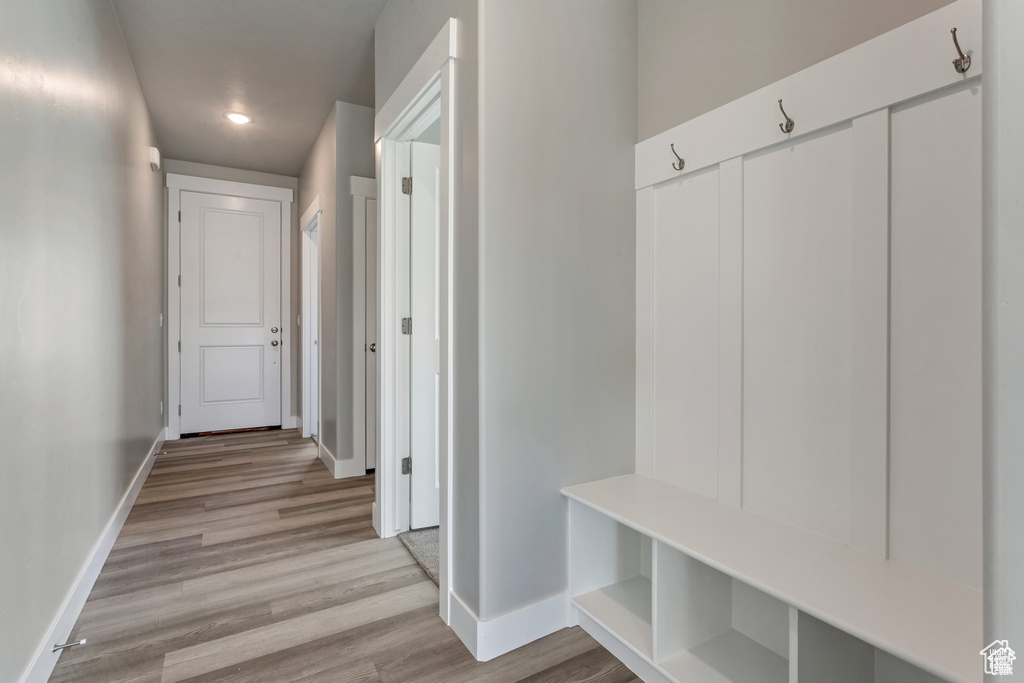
pixel 710 627
pixel 610 576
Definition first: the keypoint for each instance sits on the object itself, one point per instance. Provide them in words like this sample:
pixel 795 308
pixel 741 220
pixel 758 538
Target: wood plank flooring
pixel 244 561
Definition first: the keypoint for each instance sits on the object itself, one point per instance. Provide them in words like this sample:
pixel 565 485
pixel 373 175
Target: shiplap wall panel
pixel 935 367
pixel 846 390
pixel 796 335
pixel 686 332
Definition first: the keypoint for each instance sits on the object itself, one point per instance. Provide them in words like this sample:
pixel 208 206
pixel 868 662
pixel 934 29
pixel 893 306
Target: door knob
pixel 273 330
pixel 274 343
pixel 373 348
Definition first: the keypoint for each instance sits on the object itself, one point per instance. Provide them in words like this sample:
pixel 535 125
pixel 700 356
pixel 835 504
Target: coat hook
pixel 963 62
pixel 679 166
pixel 786 127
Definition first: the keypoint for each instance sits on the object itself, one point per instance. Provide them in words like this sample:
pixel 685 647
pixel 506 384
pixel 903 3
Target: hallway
pixel 243 560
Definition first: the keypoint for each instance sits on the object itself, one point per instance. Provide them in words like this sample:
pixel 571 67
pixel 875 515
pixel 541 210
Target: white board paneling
pixel 935 447
pixel 686 332
pixel 796 356
pixel 730 332
pixel 869 329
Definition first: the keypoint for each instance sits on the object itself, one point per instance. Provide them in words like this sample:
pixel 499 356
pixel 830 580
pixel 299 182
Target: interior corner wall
pixel 697 55
pixel 81 291
pixel 343 148
pixel 404 30
pixel 355 156
pixel 319 175
pixel 1003 322
pixel 235 175
pixel 557 281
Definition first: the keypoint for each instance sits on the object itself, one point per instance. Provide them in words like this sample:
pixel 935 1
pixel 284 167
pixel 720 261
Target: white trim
pixel 176 184
pixel 340 469
pixel 173 314
pixel 417 82
pixel 287 321
pixel 486 640
pixel 625 654
pixel 363 187
pixel 428 90
pixel 227 187
pixel 310 219
pixel 359 330
pixel 45 660
pixel 869 82
pixel 315 208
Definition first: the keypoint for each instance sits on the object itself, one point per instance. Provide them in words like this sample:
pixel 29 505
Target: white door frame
pixel 310 220
pixel 361 190
pixel 426 93
pixel 176 184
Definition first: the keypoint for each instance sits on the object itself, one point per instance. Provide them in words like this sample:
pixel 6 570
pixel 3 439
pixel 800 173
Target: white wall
pixel 81 273
pixel 697 55
pixel 319 176
pixel 557 280
pixel 191 168
pixel 344 148
pixel 1004 323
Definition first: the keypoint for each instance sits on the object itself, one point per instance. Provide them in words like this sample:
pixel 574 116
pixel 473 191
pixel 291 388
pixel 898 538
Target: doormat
pixel 424 546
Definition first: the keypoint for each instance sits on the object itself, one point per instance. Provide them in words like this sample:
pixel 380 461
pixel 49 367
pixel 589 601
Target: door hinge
pixel 407 185
pixel 406 325
pixel 179 410
pixel 179 216
pixel 407 465
pixel 179 346
pixel 179 281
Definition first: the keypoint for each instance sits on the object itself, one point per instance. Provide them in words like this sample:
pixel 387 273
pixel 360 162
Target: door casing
pixel 176 184
pixel 425 94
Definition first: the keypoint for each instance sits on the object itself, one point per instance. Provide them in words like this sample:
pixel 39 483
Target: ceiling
pixel 282 62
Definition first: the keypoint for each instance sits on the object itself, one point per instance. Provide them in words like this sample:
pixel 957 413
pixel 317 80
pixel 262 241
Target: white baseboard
pixel 291 423
pixel 340 469
pixel 45 659
pixel 375 517
pixel 494 637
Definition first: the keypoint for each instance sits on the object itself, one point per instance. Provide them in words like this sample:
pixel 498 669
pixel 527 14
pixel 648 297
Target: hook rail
pixel 963 62
pixel 788 126
pixel 681 163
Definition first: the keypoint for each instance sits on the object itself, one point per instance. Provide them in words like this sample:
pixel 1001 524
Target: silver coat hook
pixel 963 62
pixel 677 166
pixel 786 127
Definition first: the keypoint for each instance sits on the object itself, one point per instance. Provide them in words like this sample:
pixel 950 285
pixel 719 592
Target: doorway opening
pixel 416 154
pixel 311 321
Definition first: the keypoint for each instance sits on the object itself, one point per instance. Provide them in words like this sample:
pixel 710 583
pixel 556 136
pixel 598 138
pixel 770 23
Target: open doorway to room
pixel 311 321
pixel 414 136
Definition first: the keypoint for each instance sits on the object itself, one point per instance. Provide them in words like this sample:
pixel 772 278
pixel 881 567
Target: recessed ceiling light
pixel 235 117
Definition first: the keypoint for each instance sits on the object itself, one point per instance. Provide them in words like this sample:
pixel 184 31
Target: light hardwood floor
pixel 243 560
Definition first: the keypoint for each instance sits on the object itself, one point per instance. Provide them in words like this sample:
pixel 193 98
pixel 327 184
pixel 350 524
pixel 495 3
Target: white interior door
pixel 371 334
pixel 231 340
pixel 425 363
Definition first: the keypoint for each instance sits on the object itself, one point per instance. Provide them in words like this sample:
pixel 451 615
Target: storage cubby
pixel 610 576
pixel 826 653
pixel 711 627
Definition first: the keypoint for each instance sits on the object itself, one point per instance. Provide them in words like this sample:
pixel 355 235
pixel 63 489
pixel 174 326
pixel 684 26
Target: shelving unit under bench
pixel 701 591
